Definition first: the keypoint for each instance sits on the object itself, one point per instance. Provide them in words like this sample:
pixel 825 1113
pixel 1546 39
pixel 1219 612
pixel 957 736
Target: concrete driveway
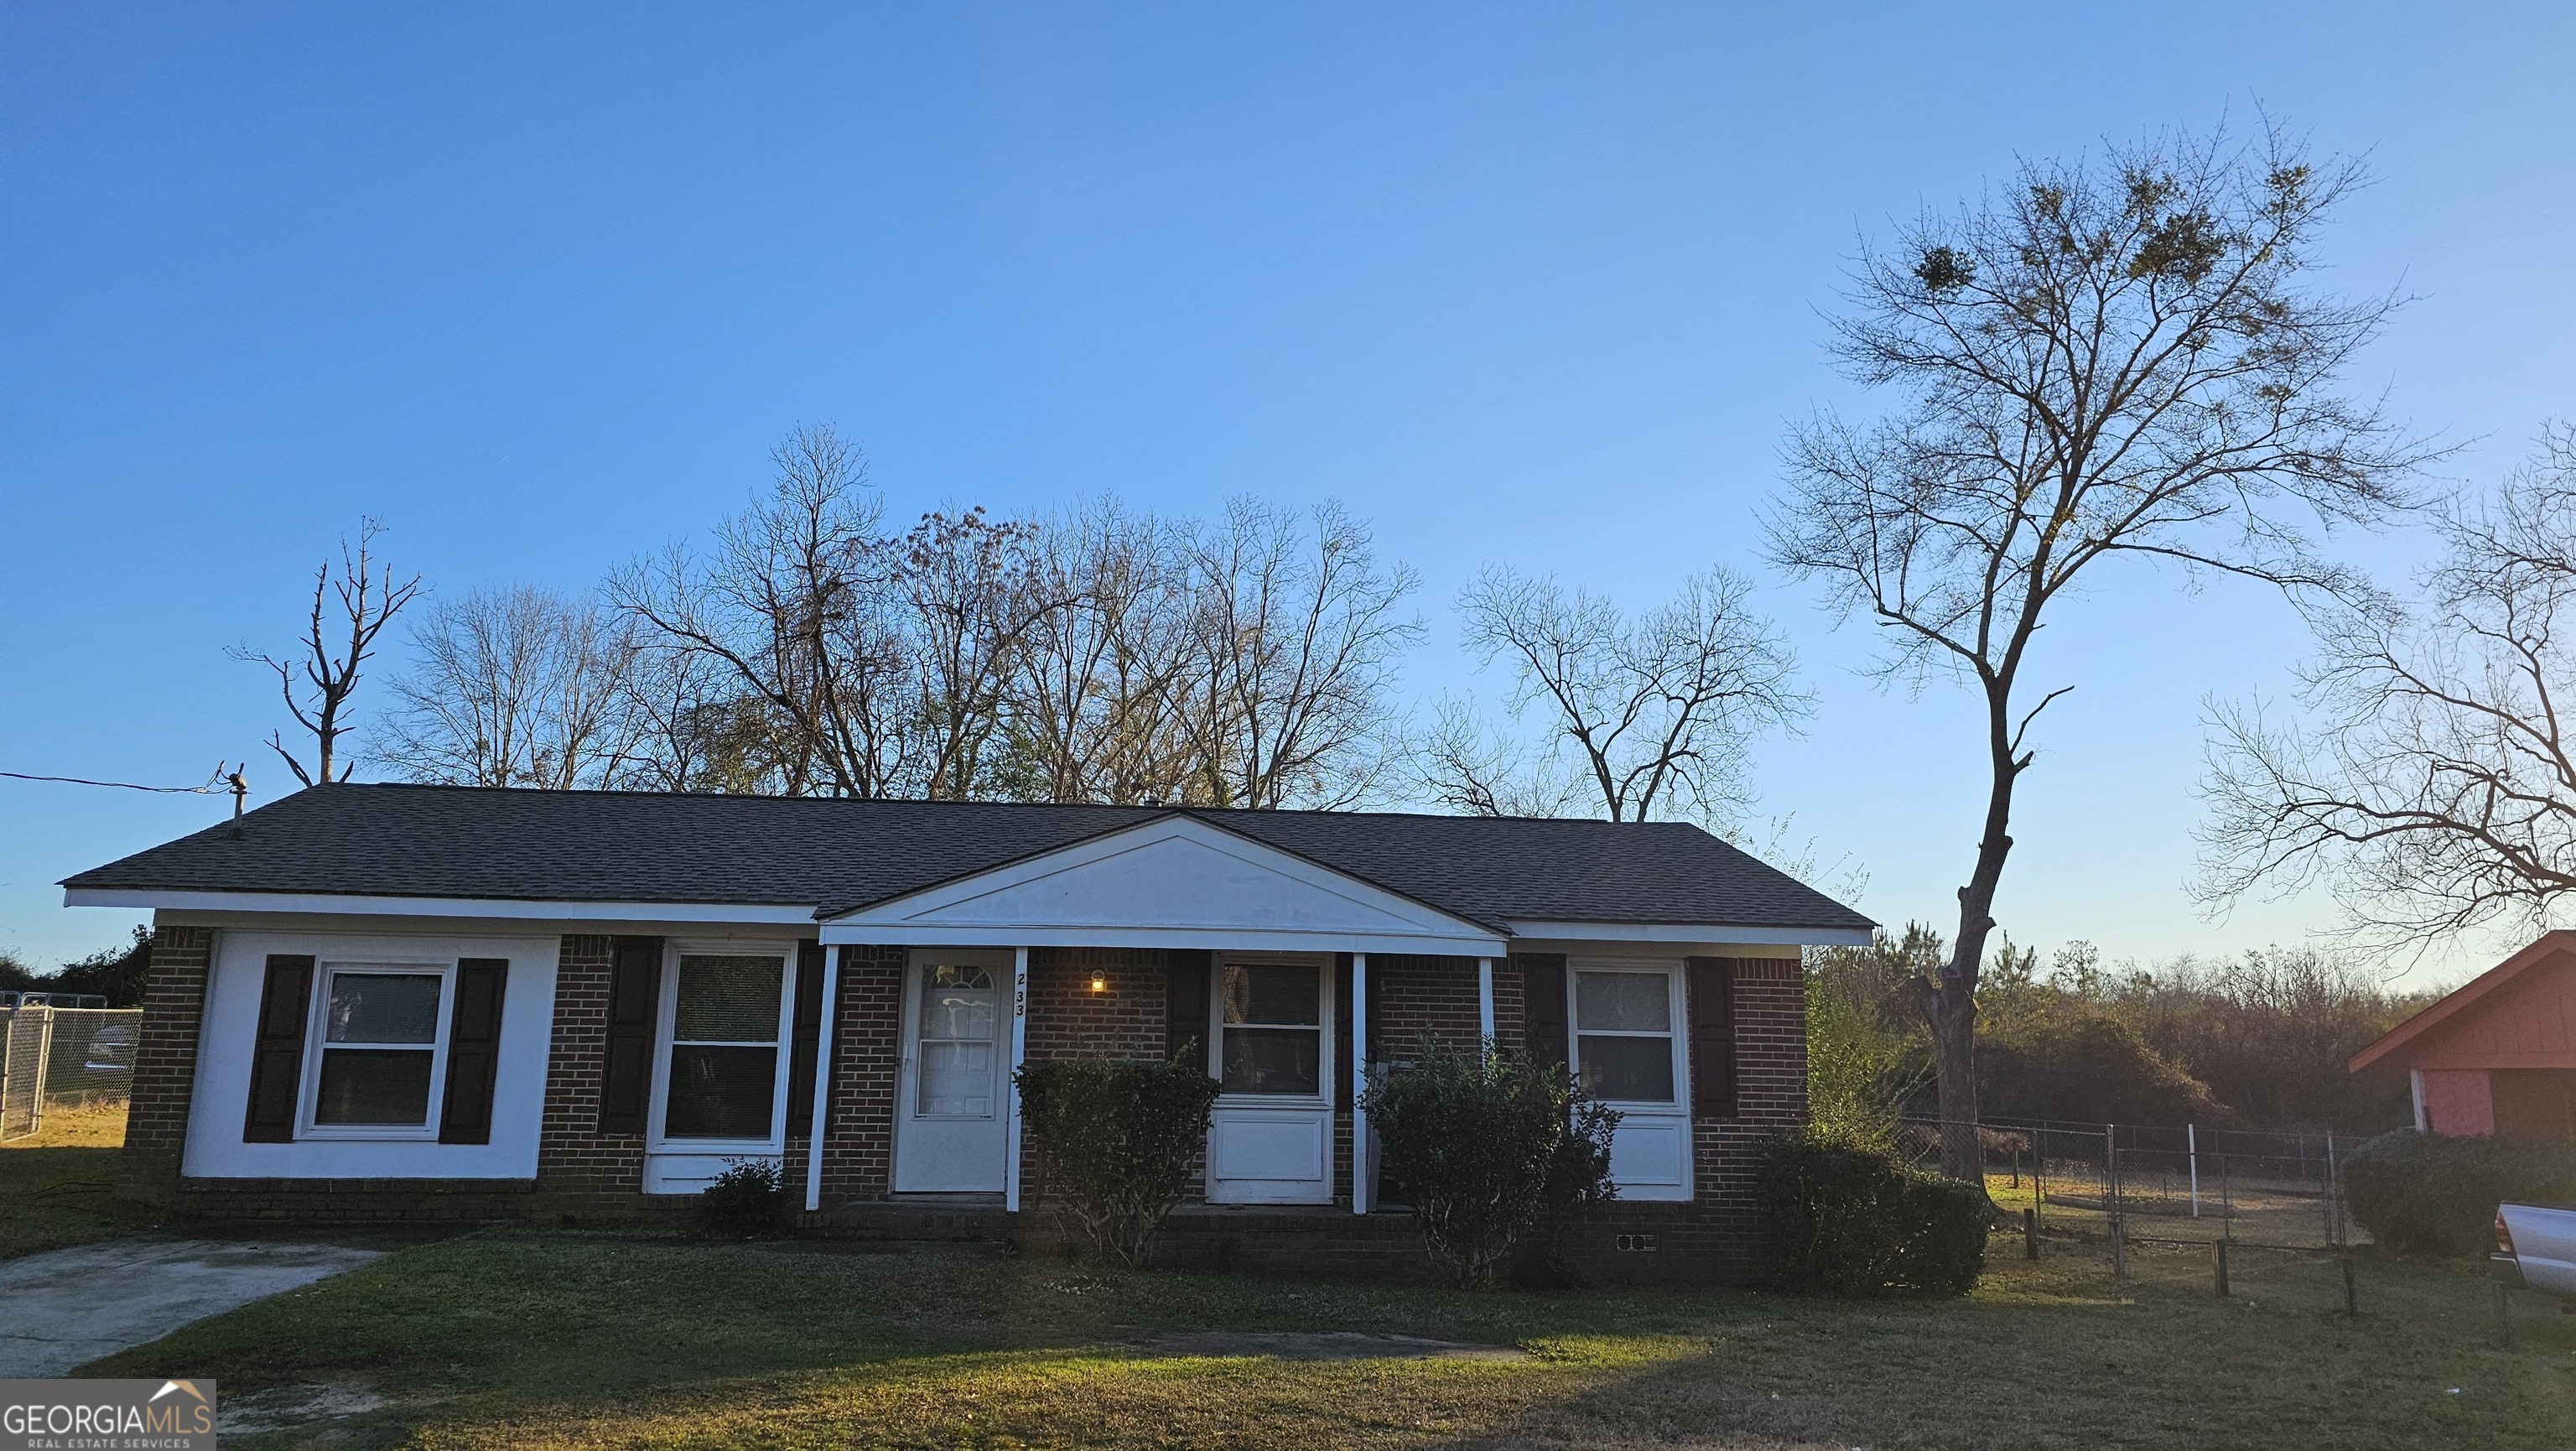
pixel 66 1307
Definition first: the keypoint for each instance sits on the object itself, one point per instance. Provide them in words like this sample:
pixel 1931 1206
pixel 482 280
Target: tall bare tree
pixel 796 602
pixel 1299 636
pixel 1658 714
pixel 2433 790
pixel 976 602
pixel 511 687
pixel 2113 358
pixel 1099 704
pixel 349 611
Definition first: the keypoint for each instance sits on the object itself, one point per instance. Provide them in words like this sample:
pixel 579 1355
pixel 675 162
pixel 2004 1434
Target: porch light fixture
pixel 1099 984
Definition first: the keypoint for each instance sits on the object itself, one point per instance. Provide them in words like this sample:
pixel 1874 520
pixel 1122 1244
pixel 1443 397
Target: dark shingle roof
pixel 617 846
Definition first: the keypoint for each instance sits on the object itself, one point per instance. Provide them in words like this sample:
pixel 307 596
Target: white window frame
pixel 318 1028
pixel 665 1023
pixel 1325 1026
pixel 1676 1010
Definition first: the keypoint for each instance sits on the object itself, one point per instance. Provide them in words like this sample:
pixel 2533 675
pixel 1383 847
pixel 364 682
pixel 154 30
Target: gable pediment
pixel 1173 881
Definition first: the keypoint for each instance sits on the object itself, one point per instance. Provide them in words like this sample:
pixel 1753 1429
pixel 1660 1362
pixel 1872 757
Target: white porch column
pixel 1359 1083
pixel 1485 1002
pixel 2415 1086
pixel 822 1079
pixel 1019 1055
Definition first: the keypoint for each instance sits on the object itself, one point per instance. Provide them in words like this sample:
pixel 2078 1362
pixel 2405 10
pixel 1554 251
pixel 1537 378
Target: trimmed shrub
pixel 1116 1138
pixel 1848 1221
pixel 1485 1144
pixel 2433 1194
pixel 746 1199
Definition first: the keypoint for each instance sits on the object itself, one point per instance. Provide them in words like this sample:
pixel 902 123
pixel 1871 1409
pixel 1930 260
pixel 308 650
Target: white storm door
pixel 1270 1139
pixel 1629 1053
pixel 951 1132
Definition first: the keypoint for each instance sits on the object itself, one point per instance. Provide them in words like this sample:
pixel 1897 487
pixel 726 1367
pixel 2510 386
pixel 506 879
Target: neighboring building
pixel 2499 1055
pixel 417 1001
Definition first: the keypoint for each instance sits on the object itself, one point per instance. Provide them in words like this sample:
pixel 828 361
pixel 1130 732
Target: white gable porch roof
pixel 1175 881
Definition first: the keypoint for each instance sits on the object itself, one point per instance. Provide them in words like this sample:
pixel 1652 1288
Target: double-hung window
pixel 1623 1035
pixel 379 1048
pixel 1272 1021
pixel 721 1080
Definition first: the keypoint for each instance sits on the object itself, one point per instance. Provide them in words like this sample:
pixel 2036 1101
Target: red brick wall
pixel 578 1167
pixel 1126 1019
pixel 165 1064
pixel 1068 1020
pixel 1770 1094
pixel 867 1048
pixel 1412 995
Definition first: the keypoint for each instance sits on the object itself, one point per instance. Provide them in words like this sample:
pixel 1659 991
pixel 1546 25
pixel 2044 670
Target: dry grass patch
pixel 56 1186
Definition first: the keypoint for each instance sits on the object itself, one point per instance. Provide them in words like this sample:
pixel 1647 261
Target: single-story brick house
pixel 380 1001
pixel 2497 1056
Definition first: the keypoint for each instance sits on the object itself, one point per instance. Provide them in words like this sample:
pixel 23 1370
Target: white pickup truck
pixel 2539 1242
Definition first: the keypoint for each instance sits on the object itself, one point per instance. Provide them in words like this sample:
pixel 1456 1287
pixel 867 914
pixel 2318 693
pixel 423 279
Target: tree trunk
pixel 1952 1004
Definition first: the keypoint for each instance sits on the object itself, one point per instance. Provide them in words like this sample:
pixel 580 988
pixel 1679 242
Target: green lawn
pixel 55 1184
pixel 527 1339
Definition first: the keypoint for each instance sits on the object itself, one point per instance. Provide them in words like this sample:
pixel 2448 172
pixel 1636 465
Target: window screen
pixel 724 1047
pixel 1274 1038
pixel 379 1046
pixel 1623 1035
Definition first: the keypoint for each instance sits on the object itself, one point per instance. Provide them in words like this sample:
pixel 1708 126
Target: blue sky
pixel 1532 285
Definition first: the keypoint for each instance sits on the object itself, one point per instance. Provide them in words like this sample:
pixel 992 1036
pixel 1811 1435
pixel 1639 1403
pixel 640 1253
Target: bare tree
pixel 2435 790
pixel 1097 706
pixel 2112 358
pixel 976 602
pixel 1299 637
pixel 1659 713
pixel 337 643
pixel 512 687
pixel 1476 768
pixel 796 602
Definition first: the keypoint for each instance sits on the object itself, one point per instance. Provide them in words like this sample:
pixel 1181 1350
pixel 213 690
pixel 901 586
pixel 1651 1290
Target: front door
pixel 1629 1054
pixel 1270 1137
pixel 950 1131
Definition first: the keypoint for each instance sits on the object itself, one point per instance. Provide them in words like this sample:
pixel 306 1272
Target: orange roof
pixel 2548 947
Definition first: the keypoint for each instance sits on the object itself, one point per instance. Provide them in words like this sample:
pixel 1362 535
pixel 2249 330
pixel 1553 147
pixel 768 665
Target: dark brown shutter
pixel 634 1001
pixel 1185 1003
pixel 1543 1005
pixel 277 1059
pixel 807 1041
pixel 473 1050
pixel 1712 1035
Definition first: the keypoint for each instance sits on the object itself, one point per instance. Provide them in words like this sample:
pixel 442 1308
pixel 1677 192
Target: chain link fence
pixel 2148 1183
pixel 54 1058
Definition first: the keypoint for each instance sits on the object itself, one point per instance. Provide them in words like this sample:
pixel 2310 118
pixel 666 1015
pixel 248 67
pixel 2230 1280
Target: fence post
pixel 2218 1264
pixel 2334 1194
pixel 2111 1171
pixel 2030 1233
pixel 2226 1199
pixel 2038 1190
pixel 2191 1143
pixel 2351 1291
pixel 44 1069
